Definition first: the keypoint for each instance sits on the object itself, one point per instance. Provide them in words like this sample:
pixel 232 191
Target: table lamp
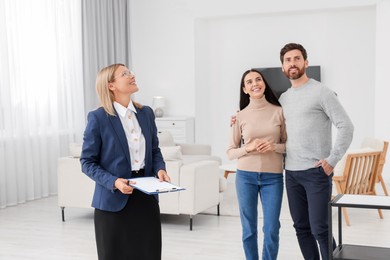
pixel 158 105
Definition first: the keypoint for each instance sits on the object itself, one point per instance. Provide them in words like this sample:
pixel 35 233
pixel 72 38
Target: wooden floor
pixel 34 230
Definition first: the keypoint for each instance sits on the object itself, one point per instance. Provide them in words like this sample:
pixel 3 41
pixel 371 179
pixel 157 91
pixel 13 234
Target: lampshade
pixel 158 102
pixel 158 105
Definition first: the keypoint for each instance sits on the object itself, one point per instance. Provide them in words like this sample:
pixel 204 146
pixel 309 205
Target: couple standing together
pixel 299 124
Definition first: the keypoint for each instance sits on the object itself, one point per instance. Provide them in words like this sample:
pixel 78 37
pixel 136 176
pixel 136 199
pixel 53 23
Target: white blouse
pixel 135 138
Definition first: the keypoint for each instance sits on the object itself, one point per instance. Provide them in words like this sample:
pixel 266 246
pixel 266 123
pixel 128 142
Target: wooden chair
pixel 382 145
pixel 359 176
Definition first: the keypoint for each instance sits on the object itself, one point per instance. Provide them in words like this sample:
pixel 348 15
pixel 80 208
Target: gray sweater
pixel 310 110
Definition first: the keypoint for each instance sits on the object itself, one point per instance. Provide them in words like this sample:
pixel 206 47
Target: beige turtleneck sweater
pixel 260 119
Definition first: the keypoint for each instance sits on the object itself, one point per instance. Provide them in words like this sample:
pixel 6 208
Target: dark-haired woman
pixel 260 125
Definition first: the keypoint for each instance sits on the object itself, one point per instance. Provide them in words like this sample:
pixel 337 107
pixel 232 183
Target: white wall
pixel 193 52
pixel 239 43
pixel 382 84
pixel 162 48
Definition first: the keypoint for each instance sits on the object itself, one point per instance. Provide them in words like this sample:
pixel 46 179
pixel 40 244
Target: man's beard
pixel 295 75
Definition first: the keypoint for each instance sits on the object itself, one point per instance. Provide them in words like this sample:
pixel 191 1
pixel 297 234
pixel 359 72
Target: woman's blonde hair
pixel 106 97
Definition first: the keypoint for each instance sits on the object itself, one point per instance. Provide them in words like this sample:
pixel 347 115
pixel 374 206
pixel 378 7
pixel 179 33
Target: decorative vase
pixel 158 112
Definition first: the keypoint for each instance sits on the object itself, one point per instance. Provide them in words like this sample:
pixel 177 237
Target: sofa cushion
pixel 165 138
pixel 373 143
pixel 171 153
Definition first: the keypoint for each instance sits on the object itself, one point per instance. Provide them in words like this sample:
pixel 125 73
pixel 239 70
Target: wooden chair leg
pixel 379 210
pixel 380 213
pixel 344 210
pixel 338 187
pixel 346 217
pixel 383 186
pixel 386 193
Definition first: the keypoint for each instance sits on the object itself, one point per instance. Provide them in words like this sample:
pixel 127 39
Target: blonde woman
pixel 120 142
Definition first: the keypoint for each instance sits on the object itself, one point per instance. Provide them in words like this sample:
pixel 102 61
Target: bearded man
pixel 310 109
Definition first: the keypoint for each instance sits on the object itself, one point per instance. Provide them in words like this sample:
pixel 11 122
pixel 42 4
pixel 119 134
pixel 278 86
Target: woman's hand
pixel 123 185
pixel 261 146
pixel 265 146
pixel 163 176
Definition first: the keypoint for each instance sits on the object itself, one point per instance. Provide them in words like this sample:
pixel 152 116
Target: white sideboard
pixel 181 128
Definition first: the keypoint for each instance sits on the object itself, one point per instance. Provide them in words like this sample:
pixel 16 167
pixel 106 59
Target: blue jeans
pixel 308 193
pixel 249 185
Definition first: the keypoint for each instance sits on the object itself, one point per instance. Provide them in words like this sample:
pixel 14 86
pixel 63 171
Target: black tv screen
pixel 280 83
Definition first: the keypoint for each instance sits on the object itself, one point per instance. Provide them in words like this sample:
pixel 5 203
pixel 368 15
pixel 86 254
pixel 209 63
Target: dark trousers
pixel 309 193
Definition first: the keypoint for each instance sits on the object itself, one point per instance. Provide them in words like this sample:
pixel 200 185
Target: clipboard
pixel 152 185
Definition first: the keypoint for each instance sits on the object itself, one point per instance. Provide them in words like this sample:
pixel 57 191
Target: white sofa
pixel 75 189
pixel 193 167
pixel 189 165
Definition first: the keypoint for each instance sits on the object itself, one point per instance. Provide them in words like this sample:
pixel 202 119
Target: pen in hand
pixel 124 185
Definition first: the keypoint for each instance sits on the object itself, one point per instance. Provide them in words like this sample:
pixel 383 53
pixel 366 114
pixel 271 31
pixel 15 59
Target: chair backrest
pixel 382 160
pixel 380 145
pixel 360 173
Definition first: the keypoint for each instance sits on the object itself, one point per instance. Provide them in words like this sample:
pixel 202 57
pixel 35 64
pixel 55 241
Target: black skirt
pixel 132 233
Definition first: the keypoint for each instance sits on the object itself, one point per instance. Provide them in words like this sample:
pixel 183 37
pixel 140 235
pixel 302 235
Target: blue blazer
pixel 105 155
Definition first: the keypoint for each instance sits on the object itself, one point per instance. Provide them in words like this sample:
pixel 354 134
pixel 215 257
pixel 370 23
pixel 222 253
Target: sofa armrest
pixel 195 149
pixel 201 181
pixel 173 169
pixel 75 189
pixel 169 202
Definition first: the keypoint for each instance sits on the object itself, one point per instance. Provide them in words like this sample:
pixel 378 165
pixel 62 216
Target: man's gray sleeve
pixel 341 121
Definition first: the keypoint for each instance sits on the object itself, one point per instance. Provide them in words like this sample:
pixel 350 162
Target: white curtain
pixel 106 40
pixel 41 94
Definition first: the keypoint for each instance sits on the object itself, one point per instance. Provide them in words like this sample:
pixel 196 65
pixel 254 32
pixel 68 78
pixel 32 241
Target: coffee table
pixel 228 168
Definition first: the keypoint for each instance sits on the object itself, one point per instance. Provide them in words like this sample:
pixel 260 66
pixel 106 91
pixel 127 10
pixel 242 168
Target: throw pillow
pixel 339 168
pixel 171 153
pixel 75 150
pixel 165 138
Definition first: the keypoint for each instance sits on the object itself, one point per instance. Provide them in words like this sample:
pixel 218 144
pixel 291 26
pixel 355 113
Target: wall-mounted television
pixel 280 83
